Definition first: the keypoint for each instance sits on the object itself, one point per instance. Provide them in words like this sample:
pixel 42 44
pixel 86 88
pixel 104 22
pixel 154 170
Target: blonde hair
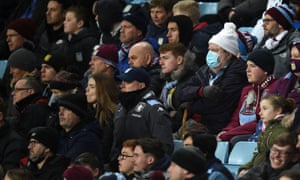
pixel 189 8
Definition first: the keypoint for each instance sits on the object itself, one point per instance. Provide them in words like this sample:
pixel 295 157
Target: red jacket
pixel 234 127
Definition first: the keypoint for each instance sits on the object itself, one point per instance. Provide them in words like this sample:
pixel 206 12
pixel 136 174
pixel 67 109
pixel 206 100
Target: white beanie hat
pixel 227 38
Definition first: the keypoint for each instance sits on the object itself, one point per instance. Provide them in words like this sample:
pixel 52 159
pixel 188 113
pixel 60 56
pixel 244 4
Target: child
pixel 80 40
pixel 276 114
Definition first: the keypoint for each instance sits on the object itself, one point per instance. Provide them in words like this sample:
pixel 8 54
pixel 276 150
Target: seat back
pixel 242 152
pixel 177 144
pixel 208 8
pixel 222 151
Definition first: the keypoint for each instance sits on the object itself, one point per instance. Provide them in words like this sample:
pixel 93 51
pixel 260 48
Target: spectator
pixel 260 64
pixel 133 29
pixel 50 36
pixel 114 176
pixel 21 67
pixel 20 33
pixel 125 159
pixel 51 65
pixel 177 66
pixel 89 161
pixel 108 16
pixel 102 95
pixel 12 145
pixel 283 156
pixel 207 143
pixel 149 156
pixel 287 86
pixel 80 41
pixel 77 173
pixel 32 108
pixel 18 174
pixel 139 113
pixel 180 29
pixel 246 43
pixel 63 83
pixel 142 55
pixel 188 163
pixel 104 59
pixel 213 92
pixel 242 13
pixel 278 35
pixel 160 11
pixel 43 161
pixel 201 29
pixel 276 115
pixel 81 132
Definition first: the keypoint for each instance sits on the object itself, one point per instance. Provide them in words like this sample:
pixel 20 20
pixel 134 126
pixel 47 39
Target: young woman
pixel 102 95
pixel 276 115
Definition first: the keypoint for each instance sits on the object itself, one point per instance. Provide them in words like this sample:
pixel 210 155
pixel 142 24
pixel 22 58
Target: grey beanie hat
pixel 23 59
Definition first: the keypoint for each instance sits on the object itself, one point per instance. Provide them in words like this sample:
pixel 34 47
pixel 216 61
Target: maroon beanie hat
pixel 108 53
pixel 78 173
pixel 283 15
pixel 25 27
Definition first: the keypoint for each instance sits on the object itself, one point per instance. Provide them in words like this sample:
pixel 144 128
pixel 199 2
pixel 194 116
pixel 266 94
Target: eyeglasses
pixel 21 89
pixel 280 152
pixel 124 156
pixel 266 20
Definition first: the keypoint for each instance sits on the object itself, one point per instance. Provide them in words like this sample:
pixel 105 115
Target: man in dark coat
pixel 12 145
pixel 42 161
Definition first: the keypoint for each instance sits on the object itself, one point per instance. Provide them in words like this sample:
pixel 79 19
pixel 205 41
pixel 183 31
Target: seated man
pixel 149 157
pixel 283 156
pixel 81 133
pixel 188 163
pixel 43 161
pixel 126 159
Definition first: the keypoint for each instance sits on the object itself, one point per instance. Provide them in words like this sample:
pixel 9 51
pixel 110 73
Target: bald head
pixel 141 54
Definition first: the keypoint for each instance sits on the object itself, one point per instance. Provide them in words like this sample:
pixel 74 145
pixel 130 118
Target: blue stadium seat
pixel 222 151
pixel 177 144
pixel 241 153
pixel 208 8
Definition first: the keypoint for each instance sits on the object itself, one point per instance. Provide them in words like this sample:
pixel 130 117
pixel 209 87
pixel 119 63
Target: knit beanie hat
pixel 185 27
pixel 77 103
pixel 64 81
pixel 262 58
pixel 25 27
pixel 283 15
pixel 78 173
pixel 191 159
pixel 56 61
pixel 108 53
pixel 23 59
pixel 246 43
pixel 45 135
pixel 227 39
pixel 138 19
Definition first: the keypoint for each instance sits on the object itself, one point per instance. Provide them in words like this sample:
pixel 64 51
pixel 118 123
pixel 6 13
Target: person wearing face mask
pixel 288 85
pixel 213 92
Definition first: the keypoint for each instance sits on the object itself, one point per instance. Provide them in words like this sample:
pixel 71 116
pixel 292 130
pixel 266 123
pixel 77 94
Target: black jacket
pixel 51 170
pixel 12 148
pixel 216 114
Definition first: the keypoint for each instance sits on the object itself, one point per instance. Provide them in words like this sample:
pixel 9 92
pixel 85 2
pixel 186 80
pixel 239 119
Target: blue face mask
pixel 212 59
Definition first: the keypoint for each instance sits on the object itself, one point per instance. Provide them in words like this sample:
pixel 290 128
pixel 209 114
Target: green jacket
pixel 265 142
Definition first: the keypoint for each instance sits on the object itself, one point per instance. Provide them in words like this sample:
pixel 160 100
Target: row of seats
pixel 241 153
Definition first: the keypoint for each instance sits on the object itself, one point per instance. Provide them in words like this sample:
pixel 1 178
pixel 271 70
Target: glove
pixel 212 92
